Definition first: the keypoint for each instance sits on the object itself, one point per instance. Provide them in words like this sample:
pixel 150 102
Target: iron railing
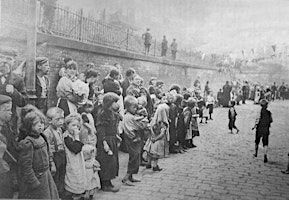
pixel 76 25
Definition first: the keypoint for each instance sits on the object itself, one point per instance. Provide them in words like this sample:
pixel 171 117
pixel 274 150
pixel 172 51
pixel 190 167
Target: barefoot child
pixel 133 124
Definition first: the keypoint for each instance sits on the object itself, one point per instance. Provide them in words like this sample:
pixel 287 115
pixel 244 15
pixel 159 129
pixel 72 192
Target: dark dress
pixel 226 95
pixel 107 130
pixel 34 161
pixel 173 114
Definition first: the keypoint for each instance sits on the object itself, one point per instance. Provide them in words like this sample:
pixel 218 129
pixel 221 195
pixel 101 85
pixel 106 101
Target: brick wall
pixel 170 72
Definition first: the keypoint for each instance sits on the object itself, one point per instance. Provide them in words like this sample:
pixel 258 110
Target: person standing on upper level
pixel 164 47
pixel 147 41
pixel 174 48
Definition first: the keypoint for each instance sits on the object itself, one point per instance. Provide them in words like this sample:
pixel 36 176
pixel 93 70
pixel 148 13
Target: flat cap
pixel 41 60
pixel 4 99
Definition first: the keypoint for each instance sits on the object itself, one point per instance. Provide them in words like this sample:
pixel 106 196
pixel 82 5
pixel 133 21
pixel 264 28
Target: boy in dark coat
pixel 12 85
pixel 262 125
pixel 42 83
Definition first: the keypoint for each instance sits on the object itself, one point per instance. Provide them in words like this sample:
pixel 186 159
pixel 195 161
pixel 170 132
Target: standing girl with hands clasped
pixel 75 177
pixel 34 161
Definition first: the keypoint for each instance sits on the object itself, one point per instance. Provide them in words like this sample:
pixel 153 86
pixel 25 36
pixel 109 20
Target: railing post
pixel 155 47
pixel 0 16
pixel 30 68
pixel 80 24
pixel 127 39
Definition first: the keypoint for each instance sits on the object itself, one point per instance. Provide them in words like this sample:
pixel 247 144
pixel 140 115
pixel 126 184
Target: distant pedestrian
pixel 48 7
pixel 207 89
pixel 174 49
pixel 262 125
pixel 147 41
pixel 164 47
pixel 232 117
pixel 274 91
pixel 210 104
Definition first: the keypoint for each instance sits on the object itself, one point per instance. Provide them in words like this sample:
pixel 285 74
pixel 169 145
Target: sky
pixel 210 26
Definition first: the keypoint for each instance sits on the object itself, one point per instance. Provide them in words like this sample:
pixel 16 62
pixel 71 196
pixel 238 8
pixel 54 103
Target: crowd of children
pixel 73 150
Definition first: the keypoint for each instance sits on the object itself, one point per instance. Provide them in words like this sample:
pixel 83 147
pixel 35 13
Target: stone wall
pixel 56 48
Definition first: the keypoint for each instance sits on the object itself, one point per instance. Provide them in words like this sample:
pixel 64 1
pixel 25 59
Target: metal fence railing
pixel 75 24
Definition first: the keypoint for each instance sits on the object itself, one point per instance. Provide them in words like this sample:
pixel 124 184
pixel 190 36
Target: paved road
pixel 222 166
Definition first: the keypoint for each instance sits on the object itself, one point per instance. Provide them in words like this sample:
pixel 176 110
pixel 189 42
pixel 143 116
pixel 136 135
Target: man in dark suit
pixel 12 85
pixel 42 83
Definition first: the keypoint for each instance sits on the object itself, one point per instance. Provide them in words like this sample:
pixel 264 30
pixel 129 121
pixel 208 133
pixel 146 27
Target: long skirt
pixel 109 164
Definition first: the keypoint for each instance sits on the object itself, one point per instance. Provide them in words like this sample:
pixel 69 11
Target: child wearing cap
pixel 262 125
pixel 107 139
pixel 42 83
pixel 54 135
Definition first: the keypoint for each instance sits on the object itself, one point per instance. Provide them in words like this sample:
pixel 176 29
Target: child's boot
pixel 133 180
pixel 126 180
pixel 157 169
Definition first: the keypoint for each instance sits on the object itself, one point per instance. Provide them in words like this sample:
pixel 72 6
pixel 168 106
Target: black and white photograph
pixel 144 99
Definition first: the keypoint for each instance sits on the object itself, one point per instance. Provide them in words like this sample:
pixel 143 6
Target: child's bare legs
pixel 256 150
pixel 126 181
pixel 149 164
pixel 265 154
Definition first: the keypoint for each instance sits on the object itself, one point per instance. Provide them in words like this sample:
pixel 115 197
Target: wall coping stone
pixel 104 50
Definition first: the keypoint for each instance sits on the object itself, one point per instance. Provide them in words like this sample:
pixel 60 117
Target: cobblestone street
pixel 222 166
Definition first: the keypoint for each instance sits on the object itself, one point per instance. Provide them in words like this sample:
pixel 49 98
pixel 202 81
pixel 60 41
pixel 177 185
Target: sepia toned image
pixel 144 99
